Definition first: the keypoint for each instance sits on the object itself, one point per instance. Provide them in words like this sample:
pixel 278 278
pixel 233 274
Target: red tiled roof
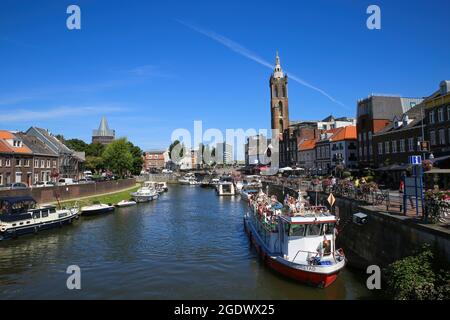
pixel 4 147
pixel 4 135
pixel 345 133
pixel 307 145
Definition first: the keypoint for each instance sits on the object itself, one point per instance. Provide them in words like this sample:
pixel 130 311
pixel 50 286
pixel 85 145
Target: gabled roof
pixel 36 146
pixel 51 141
pixel 308 144
pixel 345 133
pixel 6 135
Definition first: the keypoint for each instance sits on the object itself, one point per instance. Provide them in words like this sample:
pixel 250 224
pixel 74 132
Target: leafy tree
pixel 419 277
pixel 95 149
pixel 76 144
pixel 178 152
pixel 136 152
pixel 118 158
pixel 95 164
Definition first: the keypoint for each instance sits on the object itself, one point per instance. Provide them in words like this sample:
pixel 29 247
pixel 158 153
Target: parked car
pixel 66 181
pixel 16 185
pixel 85 180
pixel 87 173
pixel 167 171
pixel 42 184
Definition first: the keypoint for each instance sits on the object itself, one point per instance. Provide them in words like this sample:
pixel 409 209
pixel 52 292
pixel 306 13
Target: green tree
pixel 95 149
pixel 95 164
pixel 118 158
pixel 179 148
pixel 138 161
pixel 76 144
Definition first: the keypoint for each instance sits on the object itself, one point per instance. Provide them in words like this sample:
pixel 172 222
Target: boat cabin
pixel 305 237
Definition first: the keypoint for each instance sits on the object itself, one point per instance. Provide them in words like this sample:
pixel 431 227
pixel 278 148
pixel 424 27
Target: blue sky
pixel 154 66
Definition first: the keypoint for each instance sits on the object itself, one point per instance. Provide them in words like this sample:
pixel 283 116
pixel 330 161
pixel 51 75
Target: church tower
pixel 279 106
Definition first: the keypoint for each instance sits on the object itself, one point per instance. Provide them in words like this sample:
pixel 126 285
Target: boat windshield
pixel 309 230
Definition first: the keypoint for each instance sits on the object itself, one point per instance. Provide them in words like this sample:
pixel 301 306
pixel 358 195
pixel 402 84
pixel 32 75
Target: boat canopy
pixel 14 205
pixel 14 200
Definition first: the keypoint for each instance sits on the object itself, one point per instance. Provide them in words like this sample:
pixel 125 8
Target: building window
pixel 18 162
pixel 441 136
pixel 432 138
pixel 27 162
pixel 386 147
pixel 7 162
pixel 42 164
pixel 394 146
pixel 54 163
pixel 431 116
pixel 370 135
pixel 380 147
pixel 48 163
pixel 441 115
pixel 448 112
pixel 18 177
pixel 1 179
pixel 1 162
pixel 402 145
pixel 36 177
pixel 36 163
pixel 411 144
pixel 370 150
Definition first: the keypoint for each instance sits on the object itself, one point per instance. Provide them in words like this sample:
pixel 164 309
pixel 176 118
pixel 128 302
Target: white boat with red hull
pixel 295 240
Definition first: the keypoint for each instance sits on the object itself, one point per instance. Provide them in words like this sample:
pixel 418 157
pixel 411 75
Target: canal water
pixel 189 244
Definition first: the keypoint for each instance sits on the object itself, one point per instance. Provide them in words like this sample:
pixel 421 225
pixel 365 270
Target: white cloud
pixel 24 115
pixel 239 49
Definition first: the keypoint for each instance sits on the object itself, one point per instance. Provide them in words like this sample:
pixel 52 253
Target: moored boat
pixel 97 209
pixel 145 194
pixel 21 215
pixel 296 240
pixel 125 203
pixel 246 192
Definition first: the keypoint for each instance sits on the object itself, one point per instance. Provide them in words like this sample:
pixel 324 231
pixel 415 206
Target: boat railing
pixel 315 254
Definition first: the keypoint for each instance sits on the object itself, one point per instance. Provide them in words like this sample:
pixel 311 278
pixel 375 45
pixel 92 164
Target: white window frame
pixel 394 146
pixel 386 147
pixel 410 144
pixel 433 137
pixel 441 134
pixel 380 147
pixel 441 115
pixel 402 145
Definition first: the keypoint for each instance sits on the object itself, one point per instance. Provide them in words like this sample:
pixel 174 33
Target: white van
pixel 65 181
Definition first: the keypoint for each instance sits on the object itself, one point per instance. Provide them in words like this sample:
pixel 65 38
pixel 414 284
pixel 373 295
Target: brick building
pixel 154 159
pixel 437 122
pixel 45 161
pixel 343 148
pixel 373 115
pixel 307 155
pixel 16 160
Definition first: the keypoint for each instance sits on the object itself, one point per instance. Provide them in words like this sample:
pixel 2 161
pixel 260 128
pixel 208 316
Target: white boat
pixel 21 215
pixel 145 194
pixel 296 240
pixel 226 188
pixel 97 209
pixel 189 179
pixel 162 186
pixel 125 203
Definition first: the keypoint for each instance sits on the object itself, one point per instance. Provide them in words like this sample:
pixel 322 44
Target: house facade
pixel 16 160
pixel 343 148
pixel 437 120
pixel 70 164
pixel 45 161
pixel 154 159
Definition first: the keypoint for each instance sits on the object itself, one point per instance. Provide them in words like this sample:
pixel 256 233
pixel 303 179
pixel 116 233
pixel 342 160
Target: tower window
pixel 276 92
pixel 284 91
pixel 280 106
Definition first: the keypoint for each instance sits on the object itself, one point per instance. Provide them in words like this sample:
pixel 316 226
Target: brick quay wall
pixel 51 194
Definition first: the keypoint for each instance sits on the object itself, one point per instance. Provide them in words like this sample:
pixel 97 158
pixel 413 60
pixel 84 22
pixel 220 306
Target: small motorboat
pixel 97 209
pixel 145 194
pixel 126 203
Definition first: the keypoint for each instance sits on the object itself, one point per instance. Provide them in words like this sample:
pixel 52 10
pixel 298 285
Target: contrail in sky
pixel 239 49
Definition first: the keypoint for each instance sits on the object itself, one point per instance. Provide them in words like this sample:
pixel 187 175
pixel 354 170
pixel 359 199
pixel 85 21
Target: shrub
pixel 346 174
pixel 418 277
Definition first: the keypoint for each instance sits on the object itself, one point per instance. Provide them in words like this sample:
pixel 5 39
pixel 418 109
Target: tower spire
pixel 278 72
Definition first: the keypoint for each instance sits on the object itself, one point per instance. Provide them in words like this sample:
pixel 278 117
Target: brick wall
pixel 46 195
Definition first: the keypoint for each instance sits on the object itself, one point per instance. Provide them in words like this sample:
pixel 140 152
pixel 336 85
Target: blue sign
pixel 415 160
